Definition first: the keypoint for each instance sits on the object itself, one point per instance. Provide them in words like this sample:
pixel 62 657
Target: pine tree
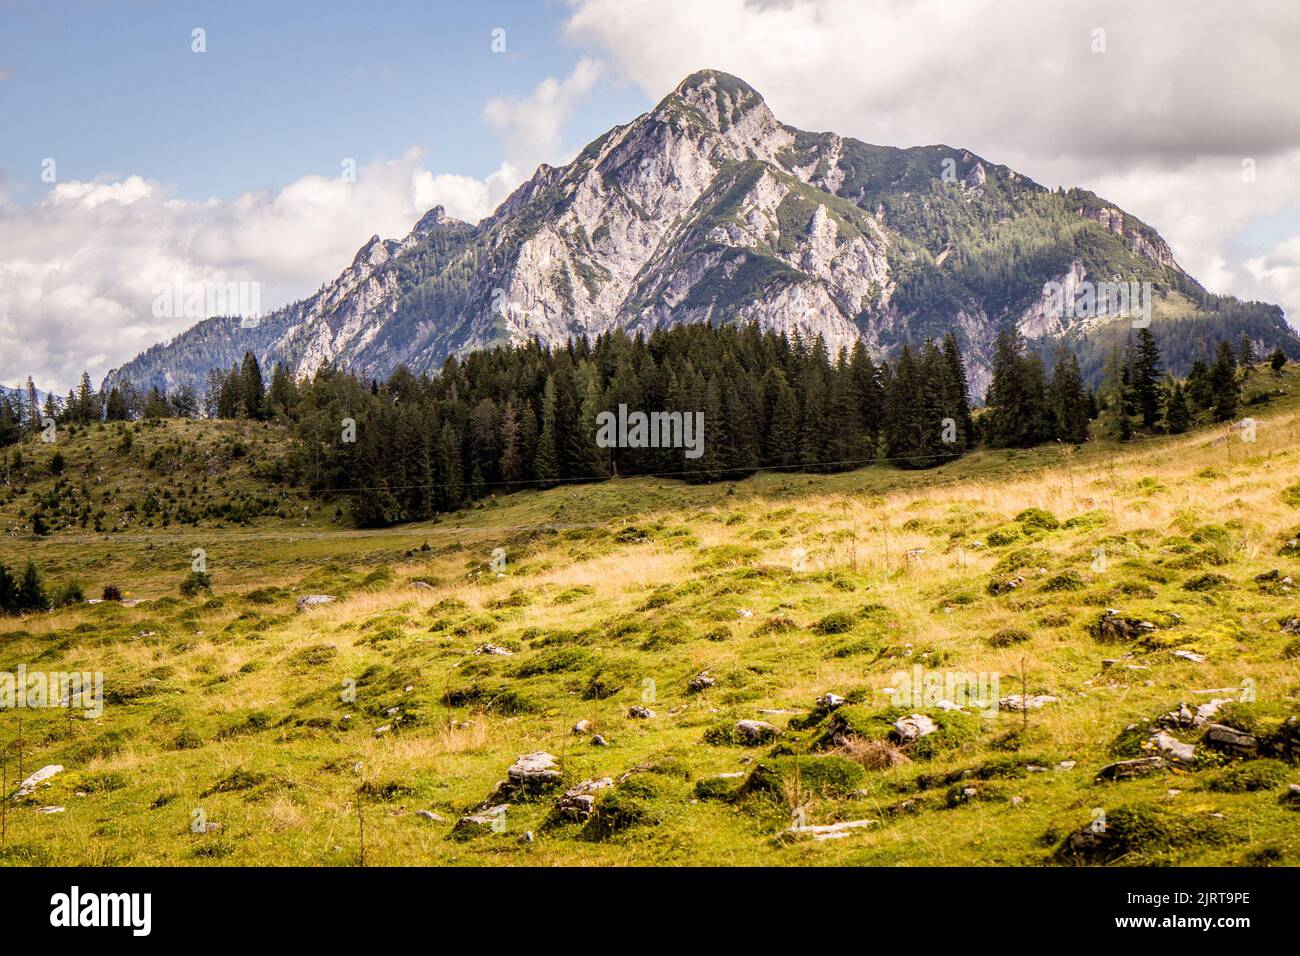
pixel 1277 361
pixel 115 409
pixel 1016 395
pixel 1113 420
pixel 1246 356
pixel 250 387
pixel 546 465
pixel 8 592
pixel 1224 384
pixel 88 407
pixel 782 443
pixel 31 591
pixel 1067 400
pixel 1144 378
pixel 958 398
pixel 511 459
pixel 1178 417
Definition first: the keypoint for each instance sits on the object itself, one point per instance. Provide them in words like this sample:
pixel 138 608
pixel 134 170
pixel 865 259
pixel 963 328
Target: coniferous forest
pixel 524 416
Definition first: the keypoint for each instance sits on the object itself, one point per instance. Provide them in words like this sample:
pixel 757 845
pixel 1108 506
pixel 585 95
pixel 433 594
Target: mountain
pixel 19 394
pixel 709 208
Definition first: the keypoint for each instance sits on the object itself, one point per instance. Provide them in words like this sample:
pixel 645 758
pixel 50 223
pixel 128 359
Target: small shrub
pixel 195 582
pixel 1007 637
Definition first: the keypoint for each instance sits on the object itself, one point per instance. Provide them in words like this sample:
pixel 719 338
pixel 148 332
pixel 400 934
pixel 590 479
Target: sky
pixel 267 148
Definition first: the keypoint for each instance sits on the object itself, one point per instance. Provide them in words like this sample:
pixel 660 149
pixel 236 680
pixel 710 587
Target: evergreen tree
pixel 1224 384
pixel 250 387
pixel 546 465
pixel 8 592
pixel 1016 395
pixel 1113 420
pixel 1277 361
pixel 1178 417
pixel 31 591
pixel 1067 399
pixel 1144 378
pixel 1246 356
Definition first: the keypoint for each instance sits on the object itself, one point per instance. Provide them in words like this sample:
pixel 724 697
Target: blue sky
pixel 111 89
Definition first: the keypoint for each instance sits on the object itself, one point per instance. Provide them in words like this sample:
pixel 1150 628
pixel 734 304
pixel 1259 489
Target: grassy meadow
pixel 240 730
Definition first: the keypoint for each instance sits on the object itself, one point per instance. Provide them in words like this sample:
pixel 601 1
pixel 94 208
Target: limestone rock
pixel 579 801
pixel 1173 748
pixel 1033 702
pixel 913 727
pixel 28 786
pixel 1231 741
pixel 1128 769
pixel 755 731
pixel 314 600
pixel 490 820
pixel 701 681
pixel 827 831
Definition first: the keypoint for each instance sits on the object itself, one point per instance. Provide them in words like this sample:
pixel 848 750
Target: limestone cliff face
pixel 707 208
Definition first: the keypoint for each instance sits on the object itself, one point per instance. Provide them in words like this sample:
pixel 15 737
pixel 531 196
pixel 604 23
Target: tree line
pixel 415 446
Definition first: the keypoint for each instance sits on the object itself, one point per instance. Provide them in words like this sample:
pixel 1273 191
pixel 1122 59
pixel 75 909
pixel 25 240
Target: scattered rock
pixel 1032 702
pixel 1005 585
pixel 912 727
pixel 744 612
pixel 1114 626
pixel 422 585
pixel 493 649
pixel 701 681
pixel 637 712
pixel 581 726
pixel 755 731
pixel 1173 748
pixel 1191 656
pixel 380 731
pixel 579 801
pixel 490 820
pixel 28 786
pixel 828 702
pixel 1231 741
pixel 826 831
pixel 50 810
pixel 1128 769
pixel 429 815
pixel 534 771
pixel 599 741
pixel 314 600
pixel 1067 765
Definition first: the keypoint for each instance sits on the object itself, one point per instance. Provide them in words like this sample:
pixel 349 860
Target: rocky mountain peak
pixel 707 208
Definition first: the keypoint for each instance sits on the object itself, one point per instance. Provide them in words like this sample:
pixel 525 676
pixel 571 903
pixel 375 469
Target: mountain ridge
pixel 708 208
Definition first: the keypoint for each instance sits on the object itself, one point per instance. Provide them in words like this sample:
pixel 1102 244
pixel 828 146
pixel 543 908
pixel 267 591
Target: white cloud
pixel 532 127
pixel 79 269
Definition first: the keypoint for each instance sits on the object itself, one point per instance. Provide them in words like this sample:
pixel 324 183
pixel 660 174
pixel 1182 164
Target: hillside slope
pixel 239 730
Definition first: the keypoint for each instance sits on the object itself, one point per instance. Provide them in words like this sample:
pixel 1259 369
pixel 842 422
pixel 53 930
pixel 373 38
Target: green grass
pixel 232 708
